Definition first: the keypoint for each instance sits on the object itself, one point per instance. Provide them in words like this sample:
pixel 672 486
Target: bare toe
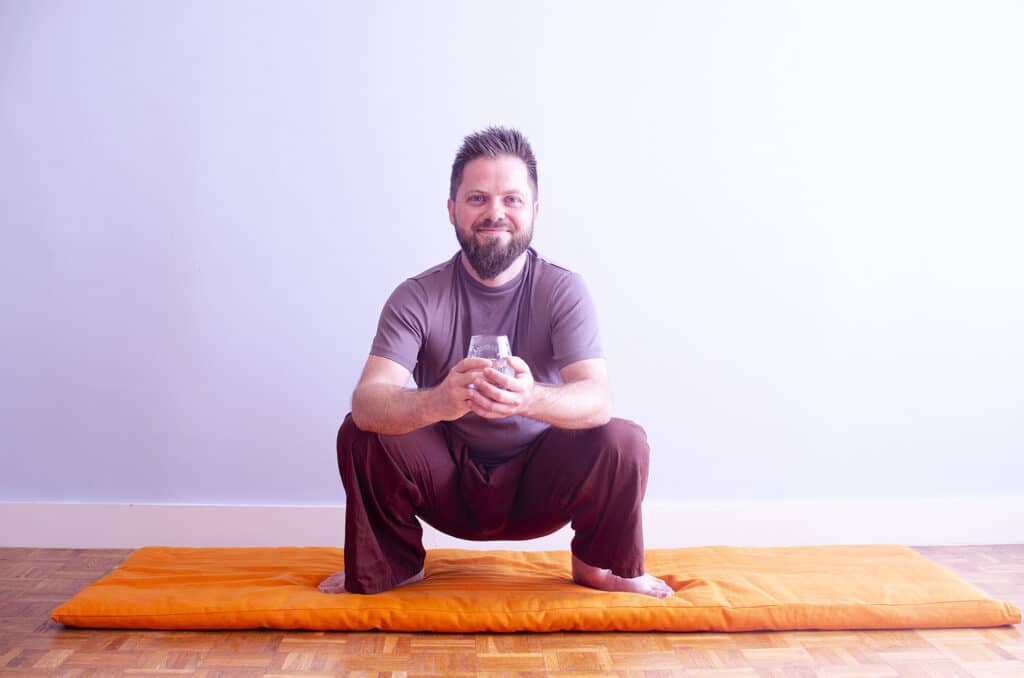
pixel 658 588
pixel 333 584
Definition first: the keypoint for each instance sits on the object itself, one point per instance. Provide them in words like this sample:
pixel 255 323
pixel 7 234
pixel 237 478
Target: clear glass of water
pixel 494 347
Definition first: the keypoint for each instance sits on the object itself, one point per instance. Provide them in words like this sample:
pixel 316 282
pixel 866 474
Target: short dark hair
pixel 494 142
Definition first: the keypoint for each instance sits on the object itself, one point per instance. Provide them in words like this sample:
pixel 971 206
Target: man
pixel 474 452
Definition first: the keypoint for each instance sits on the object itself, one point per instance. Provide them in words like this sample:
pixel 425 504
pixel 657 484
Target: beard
pixel 488 256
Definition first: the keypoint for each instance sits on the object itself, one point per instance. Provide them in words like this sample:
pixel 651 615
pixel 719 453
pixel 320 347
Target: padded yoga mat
pixel 717 589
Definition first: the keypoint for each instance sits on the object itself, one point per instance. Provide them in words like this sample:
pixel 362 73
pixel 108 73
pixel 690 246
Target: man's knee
pixel 363 459
pixel 627 440
pixel 350 439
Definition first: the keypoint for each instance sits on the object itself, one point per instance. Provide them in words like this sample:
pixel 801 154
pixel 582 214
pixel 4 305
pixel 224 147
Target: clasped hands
pixel 473 385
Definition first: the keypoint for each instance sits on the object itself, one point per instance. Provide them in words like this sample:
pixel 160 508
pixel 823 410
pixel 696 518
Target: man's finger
pixel 502 380
pixel 491 408
pixel 508 396
pixel 518 364
pixel 492 414
pixel 471 364
pixel 490 391
pixel 485 411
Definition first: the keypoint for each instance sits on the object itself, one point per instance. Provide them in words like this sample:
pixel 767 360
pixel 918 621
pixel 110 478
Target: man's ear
pixel 536 209
pixel 451 211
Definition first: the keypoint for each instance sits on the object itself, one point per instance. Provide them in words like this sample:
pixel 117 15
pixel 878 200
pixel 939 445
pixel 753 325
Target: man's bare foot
pixel 596 578
pixel 333 584
pixel 336 582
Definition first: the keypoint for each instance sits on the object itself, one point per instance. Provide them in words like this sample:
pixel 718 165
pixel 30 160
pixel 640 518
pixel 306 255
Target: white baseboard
pixel 944 521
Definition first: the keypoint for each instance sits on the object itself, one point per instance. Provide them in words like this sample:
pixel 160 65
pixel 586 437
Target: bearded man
pixel 475 452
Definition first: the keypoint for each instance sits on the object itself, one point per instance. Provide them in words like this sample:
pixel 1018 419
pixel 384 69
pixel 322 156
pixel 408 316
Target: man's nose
pixel 496 209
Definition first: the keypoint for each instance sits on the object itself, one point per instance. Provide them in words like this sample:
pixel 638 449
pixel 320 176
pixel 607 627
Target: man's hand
pixel 496 395
pixel 453 396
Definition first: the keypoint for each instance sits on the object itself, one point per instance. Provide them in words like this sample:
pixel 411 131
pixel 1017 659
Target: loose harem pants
pixel 592 478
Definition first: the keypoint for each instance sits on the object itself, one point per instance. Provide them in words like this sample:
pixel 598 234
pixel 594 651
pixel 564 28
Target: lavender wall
pixel 801 222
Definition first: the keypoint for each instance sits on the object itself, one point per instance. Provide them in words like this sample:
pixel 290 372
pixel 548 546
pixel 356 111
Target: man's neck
pixel 505 276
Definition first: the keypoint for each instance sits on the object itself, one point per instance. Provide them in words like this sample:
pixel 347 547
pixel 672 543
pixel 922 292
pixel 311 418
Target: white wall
pixel 801 222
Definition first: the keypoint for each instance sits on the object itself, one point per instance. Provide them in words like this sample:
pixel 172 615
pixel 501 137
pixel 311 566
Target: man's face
pixel 493 213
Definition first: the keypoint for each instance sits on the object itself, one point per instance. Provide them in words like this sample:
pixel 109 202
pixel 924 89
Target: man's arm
pixel 382 404
pixel 583 401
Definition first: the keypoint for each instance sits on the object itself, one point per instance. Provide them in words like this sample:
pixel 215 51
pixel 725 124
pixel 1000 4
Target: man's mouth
pixel 490 231
pixel 489 226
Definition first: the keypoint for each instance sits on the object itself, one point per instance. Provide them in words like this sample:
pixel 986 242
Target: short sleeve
pixel 574 329
pixel 402 326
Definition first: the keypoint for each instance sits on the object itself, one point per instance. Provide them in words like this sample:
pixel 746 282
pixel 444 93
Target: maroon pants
pixel 593 478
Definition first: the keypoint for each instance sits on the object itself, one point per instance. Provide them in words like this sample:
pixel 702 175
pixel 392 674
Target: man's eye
pixel 476 198
pixel 514 199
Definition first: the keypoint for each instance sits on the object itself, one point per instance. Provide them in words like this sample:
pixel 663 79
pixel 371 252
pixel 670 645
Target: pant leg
pixel 594 478
pixel 392 480
pixel 388 479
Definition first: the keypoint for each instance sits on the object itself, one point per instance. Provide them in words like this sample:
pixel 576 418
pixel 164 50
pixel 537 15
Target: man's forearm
pixel 580 404
pixel 392 410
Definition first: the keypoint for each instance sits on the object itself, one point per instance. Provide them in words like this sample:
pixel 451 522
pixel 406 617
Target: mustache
pixel 491 223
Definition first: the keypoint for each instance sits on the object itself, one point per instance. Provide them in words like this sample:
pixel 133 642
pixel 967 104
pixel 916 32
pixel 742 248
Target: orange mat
pixel 717 589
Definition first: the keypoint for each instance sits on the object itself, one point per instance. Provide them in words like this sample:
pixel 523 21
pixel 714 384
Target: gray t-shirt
pixel 546 312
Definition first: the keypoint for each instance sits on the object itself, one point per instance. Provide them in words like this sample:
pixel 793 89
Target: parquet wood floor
pixel 34 581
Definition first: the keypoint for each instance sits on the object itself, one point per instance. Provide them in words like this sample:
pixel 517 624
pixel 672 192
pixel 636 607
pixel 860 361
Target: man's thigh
pixel 431 461
pixel 568 469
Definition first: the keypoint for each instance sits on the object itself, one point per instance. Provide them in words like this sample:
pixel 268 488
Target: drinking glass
pixel 494 347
